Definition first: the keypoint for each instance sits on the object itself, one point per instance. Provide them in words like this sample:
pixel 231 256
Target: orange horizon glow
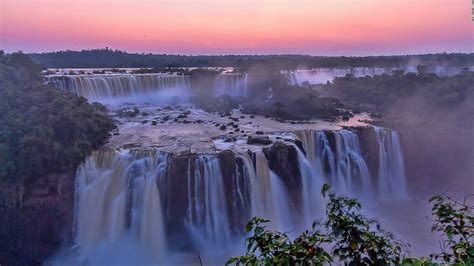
pixel 320 27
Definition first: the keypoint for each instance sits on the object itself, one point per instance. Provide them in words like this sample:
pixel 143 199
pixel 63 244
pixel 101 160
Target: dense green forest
pixel 109 58
pixel 43 129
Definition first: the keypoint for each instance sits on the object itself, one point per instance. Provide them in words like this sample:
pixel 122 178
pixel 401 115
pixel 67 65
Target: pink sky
pixel 318 27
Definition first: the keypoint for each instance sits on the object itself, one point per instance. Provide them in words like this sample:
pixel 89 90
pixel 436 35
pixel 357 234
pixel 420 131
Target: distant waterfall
pixel 115 85
pixel 324 75
pixel 391 167
pixel 234 84
pixel 117 196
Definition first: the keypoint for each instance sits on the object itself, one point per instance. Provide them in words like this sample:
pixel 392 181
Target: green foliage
pixel 353 239
pixel 266 247
pixel 455 220
pixel 356 239
pixel 43 129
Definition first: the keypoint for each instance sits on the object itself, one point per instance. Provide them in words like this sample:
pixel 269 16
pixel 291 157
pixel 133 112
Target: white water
pixel 99 87
pixel 346 169
pixel 106 185
pixel 119 207
pixel 324 75
pixel 207 217
pixel 268 196
pixel 234 84
pixel 391 168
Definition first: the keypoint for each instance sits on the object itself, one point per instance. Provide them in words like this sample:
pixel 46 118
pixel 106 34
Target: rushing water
pixel 234 84
pixel 137 199
pixel 97 87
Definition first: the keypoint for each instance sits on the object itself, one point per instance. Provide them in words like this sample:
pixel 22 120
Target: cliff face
pixel 36 219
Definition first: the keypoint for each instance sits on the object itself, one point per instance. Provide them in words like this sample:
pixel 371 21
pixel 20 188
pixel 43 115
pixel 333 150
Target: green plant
pixel 455 221
pixel 267 247
pixel 356 239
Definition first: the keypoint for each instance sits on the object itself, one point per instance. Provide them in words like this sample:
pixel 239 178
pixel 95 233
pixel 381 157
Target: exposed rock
pixel 258 140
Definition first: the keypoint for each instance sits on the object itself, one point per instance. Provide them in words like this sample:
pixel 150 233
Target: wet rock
pixel 154 123
pixel 144 121
pixel 223 127
pixel 166 118
pixel 230 139
pixel 145 114
pixel 259 132
pixel 259 140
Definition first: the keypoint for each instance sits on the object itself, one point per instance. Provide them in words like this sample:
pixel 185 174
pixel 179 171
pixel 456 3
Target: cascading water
pixel 344 166
pixel 120 194
pixel 118 199
pixel 234 84
pixel 324 75
pixel 268 196
pixel 96 87
pixel 391 169
pixel 352 174
pixel 207 215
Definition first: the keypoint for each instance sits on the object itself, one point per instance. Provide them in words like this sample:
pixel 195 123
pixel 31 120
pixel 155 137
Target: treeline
pixel 43 129
pixel 108 58
pixel 423 89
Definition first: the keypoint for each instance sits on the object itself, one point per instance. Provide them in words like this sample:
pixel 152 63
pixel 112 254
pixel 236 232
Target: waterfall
pixel 207 216
pixel 344 166
pixel 311 184
pixel 234 84
pixel 96 87
pixel 324 75
pixel 391 169
pixel 352 174
pixel 268 196
pixel 117 196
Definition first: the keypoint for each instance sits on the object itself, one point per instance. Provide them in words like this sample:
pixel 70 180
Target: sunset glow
pixel 325 27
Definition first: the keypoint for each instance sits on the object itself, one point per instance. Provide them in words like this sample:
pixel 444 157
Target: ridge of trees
pixel 43 129
pixel 108 58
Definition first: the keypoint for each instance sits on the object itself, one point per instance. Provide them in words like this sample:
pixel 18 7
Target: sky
pixel 315 27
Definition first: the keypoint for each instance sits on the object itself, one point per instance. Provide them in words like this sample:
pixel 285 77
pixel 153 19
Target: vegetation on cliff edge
pixel 43 129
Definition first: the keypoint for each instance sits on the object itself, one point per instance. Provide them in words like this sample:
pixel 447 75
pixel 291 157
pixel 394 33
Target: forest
pixel 109 58
pixel 43 129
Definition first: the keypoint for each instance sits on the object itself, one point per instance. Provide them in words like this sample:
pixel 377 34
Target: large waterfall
pixel 156 199
pixel 117 200
pixel 234 84
pixel 96 87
